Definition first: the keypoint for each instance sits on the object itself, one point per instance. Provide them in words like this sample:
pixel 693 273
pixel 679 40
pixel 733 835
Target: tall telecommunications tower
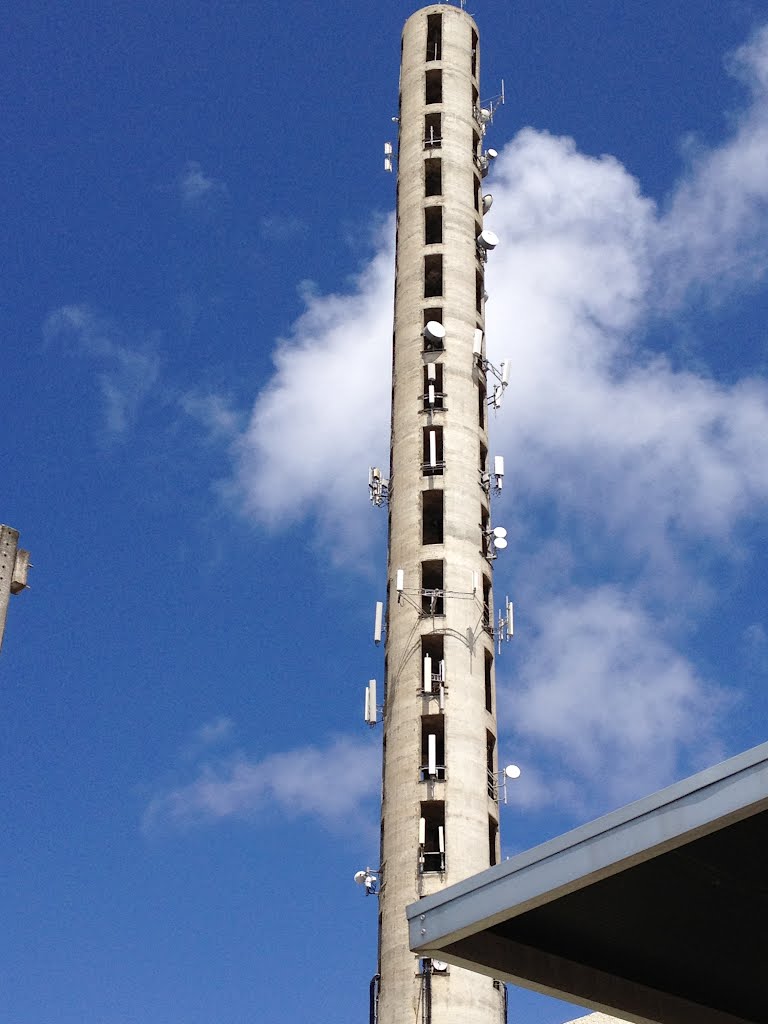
pixel 440 795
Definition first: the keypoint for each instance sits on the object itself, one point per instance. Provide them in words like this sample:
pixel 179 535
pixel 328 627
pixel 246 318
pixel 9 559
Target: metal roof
pixel 657 912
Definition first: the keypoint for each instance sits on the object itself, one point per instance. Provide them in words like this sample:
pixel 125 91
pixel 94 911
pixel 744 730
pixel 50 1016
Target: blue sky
pixel 197 317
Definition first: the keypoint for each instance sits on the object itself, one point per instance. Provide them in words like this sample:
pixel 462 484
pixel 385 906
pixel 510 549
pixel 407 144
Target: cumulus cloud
pixel 217 414
pixel 326 783
pixel 324 414
pixel 713 232
pixel 634 459
pixel 129 368
pixel 195 186
pixel 594 422
pixel 605 697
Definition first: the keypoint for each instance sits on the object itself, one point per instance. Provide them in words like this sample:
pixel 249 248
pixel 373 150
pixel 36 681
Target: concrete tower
pixel 440 809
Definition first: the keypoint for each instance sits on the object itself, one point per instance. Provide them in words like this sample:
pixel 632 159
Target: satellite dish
pixel 512 771
pixel 487 240
pixel 433 331
pixel 491 154
pixel 487 202
pixel 499 532
pixel 360 877
pixel 500 543
pixel 439 965
pixel 485 115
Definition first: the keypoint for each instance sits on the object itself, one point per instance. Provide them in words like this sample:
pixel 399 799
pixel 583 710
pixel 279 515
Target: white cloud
pixel 714 231
pixel 330 784
pixel 605 697
pixel 216 413
pixel 130 370
pixel 323 417
pixel 194 185
pixel 593 422
pixel 635 459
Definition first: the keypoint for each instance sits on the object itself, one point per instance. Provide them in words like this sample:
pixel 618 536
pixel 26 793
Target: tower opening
pixel 481 404
pixel 433 88
pixel 431 517
pixel 487 609
pixel 473 66
pixel 433 177
pixel 432 464
pixel 432 748
pixel 490 763
pixel 433 662
pixel 493 841
pixel 432 592
pixel 433 131
pixel 488 682
pixel 434 36
pixel 432 836
pixel 479 292
pixel 433 275
pixel 433 386
pixel 433 225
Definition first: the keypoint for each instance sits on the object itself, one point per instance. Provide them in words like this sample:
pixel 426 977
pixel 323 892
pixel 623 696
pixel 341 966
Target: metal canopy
pixel 657 912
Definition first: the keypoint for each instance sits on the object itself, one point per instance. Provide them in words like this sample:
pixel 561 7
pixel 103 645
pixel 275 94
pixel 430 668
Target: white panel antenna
pixel 441 670
pixel 371 711
pixel 431 372
pixel 378 622
pixel 388 156
pixel 498 465
pixel 510 619
pixel 400 580
pixel 441 696
pixel 477 344
pixel 441 838
pixel 506 367
pixel 422 831
pixel 432 755
pixel 427 674
pixel 433 449
pixel 431 395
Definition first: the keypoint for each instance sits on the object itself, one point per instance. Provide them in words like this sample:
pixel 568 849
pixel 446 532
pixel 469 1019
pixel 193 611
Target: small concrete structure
pixel 655 912
pixel 14 566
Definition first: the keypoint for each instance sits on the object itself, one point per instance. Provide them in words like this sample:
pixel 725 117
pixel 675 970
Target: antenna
pixel 433 449
pixel 498 472
pixel 486 242
pixel 487 202
pixel 388 157
pixel 371 710
pixel 506 628
pixel 378 487
pixel 432 755
pixel 378 622
pixel 400 580
pixel 434 332
pixel 369 878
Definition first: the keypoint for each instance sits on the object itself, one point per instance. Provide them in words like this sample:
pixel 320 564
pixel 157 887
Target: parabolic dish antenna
pixel 512 771
pixel 434 331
